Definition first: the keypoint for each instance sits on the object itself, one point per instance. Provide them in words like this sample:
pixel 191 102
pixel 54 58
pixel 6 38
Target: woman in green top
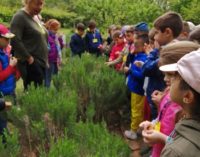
pixel 30 42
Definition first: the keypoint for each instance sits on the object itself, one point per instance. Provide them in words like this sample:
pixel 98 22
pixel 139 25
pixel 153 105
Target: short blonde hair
pixel 52 23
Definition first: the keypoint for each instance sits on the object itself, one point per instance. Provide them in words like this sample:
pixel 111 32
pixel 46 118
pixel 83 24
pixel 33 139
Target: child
pixel 127 59
pixel 195 35
pixel 135 85
pixel 148 48
pixel 55 46
pixel 107 46
pixel 117 48
pixel 7 68
pixel 167 116
pixel 93 39
pixel 77 43
pixel 7 73
pixel 141 28
pixel 126 47
pixel 185 31
pixel 110 31
pixel 185 91
pixel 167 28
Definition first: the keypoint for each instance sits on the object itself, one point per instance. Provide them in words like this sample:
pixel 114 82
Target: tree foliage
pixel 107 12
pixel 121 12
pixel 189 9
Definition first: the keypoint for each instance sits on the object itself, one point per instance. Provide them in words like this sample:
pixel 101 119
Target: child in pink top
pixel 167 114
pixel 165 122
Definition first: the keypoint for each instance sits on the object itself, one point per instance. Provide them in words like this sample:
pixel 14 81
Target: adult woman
pixel 30 42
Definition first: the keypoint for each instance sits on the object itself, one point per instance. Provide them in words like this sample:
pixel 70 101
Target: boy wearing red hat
pixel 7 72
pixel 7 65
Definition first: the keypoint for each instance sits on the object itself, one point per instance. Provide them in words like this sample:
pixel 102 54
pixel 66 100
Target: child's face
pixel 92 29
pixel 183 36
pixel 162 37
pixel 139 45
pixel 81 32
pixel 54 30
pixel 168 77
pixel 176 93
pixel 129 37
pixel 119 40
pixel 151 43
pixel 4 42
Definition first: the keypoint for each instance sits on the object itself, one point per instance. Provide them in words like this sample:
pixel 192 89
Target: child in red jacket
pixel 117 48
pixel 7 74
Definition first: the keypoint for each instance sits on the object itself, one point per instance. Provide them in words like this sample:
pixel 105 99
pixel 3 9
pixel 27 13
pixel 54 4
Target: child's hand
pixel 156 97
pixel 107 63
pixel 13 61
pixel 139 63
pixel 146 125
pixel 147 48
pixel 30 60
pixel 8 104
pixel 157 46
pixel 126 69
pixel 152 137
pixel 100 47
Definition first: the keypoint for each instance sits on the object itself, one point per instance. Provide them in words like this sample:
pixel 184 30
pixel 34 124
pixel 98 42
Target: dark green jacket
pixel 30 38
pixel 187 140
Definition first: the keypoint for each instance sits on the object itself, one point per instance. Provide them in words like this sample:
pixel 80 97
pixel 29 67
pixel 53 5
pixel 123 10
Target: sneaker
pixel 130 134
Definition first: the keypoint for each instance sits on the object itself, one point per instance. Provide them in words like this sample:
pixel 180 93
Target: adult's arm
pixel 18 28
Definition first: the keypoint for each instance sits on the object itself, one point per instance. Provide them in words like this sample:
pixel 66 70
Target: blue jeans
pixel 49 72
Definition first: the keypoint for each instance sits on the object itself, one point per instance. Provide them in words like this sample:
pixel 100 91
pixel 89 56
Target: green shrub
pixel 96 141
pixel 61 106
pixel 63 147
pixel 12 147
pixel 94 83
pixel 84 87
pixel 88 140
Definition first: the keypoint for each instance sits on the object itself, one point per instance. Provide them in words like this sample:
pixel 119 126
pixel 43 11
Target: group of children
pixel 171 92
pixel 161 70
pixel 91 41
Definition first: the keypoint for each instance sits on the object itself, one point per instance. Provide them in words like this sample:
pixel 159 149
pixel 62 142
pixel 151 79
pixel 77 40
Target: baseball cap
pixel 188 67
pixel 4 32
pixel 142 26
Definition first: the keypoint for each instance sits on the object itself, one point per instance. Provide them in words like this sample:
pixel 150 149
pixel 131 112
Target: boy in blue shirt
pixel 167 29
pixel 135 85
pixel 93 39
pixel 77 43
